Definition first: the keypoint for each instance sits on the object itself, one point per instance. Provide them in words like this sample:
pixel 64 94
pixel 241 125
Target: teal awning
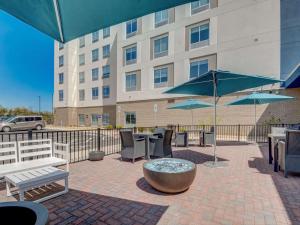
pixel 190 104
pixel 224 81
pixel 65 20
pixel 259 98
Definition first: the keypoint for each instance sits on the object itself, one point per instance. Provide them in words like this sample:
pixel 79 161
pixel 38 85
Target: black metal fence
pixel 108 140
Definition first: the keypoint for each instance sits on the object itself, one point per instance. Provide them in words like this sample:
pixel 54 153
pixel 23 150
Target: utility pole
pixel 39 104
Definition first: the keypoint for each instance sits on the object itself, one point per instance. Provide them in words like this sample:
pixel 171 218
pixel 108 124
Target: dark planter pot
pixel 181 139
pixel 96 155
pixel 25 213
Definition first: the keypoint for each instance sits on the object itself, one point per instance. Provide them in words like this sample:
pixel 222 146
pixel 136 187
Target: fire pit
pixel 169 175
pixel 25 213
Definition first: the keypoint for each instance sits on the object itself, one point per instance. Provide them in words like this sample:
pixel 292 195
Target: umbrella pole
pixel 215 122
pixel 255 133
pixel 192 119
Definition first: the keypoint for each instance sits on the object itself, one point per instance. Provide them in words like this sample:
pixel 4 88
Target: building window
pixel 106 71
pixel 106 51
pixel 81 59
pixel 130 118
pixel 106 32
pixel 95 55
pixel 81 118
pixel 95 119
pixel 198 6
pixel 95 36
pixel 60 95
pixel 105 91
pixel 161 18
pixel 161 47
pixel 81 77
pixel 130 54
pixel 61 78
pixel 199 36
pixel 81 42
pixel 105 119
pixel 81 95
pixel 60 45
pixel 61 61
pixel 95 93
pixel 131 27
pixel 160 77
pixel 198 67
pixel 131 82
pixel 95 74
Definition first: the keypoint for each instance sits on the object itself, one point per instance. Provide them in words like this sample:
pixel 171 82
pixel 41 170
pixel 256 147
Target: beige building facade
pixel 117 76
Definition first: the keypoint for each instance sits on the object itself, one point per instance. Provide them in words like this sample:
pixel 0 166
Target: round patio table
pixel 169 175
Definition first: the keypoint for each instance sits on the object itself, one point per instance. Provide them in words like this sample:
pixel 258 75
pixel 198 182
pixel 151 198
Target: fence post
pixel 239 133
pixel 30 135
pixel 98 139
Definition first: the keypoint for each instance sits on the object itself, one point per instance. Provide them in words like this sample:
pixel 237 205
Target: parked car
pixel 22 123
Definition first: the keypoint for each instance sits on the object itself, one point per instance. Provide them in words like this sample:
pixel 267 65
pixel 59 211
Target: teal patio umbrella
pixel 219 83
pixel 191 104
pixel 258 99
pixel 65 20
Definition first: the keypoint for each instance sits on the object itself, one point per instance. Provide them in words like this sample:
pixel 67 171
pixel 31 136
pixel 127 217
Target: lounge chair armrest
pixel 140 139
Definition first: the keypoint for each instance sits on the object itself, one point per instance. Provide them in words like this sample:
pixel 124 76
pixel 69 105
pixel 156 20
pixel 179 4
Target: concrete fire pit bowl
pixel 169 175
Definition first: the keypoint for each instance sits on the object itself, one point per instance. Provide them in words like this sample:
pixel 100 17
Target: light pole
pixel 39 104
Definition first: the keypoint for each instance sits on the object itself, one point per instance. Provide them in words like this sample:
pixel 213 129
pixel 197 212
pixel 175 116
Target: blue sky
pixel 26 65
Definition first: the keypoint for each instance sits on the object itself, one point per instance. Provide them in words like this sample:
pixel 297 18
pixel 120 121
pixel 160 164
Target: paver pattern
pixel 246 192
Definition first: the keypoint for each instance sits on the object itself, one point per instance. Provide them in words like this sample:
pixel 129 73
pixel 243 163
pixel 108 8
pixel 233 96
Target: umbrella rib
pixel 58 19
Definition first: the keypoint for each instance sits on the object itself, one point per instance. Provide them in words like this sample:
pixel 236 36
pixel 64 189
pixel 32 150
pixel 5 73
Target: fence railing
pixel 108 140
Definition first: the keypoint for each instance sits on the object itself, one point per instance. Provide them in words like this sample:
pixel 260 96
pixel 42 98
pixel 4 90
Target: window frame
pixel 130 119
pixel 95 55
pixel 130 88
pixel 94 91
pixel 131 33
pixel 199 62
pixel 60 46
pixel 105 75
pixel 81 122
pixel 61 60
pixel 61 78
pixel 60 95
pixel 161 22
pixel 82 42
pixel 161 84
pixel 105 48
pixel 79 59
pixel 81 81
pixel 199 8
pixel 104 34
pixel 95 77
pixel 95 36
pixel 162 53
pixel 81 95
pixel 105 95
pixel 199 43
pixel 131 61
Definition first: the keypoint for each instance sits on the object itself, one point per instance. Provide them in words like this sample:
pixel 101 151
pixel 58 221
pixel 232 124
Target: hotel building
pixel 117 76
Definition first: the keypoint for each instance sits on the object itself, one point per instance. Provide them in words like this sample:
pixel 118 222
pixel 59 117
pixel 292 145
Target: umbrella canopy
pixel 219 83
pixel 190 104
pixel 226 83
pixel 65 20
pixel 258 99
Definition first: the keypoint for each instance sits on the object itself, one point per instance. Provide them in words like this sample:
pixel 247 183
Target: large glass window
pixel 161 18
pixel 61 78
pixel 199 35
pixel 106 71
pixel 106 32
pixel 198 67
pixel 130 54
pixel 106 91
pixel 81 77
pixel 95 93
pixel 95 74
pixel 198 6
pixel 95 36
pixel 81 59
pixel 105 119
pixel 81 118
pixel 60 95
pixel 95 118
pixel 95 55
pixel 131 82
pixel 106 51
pixel 81 42
pixel 61 61
pixel 161 47
pixel 81 95
pixel 160 77
pixel 131 27
pixel 130 119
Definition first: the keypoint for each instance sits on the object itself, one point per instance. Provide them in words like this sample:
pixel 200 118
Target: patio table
pixel 275 137
pixel 147 137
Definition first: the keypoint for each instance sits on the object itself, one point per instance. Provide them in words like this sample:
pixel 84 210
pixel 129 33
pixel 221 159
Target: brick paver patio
pixel 245 192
